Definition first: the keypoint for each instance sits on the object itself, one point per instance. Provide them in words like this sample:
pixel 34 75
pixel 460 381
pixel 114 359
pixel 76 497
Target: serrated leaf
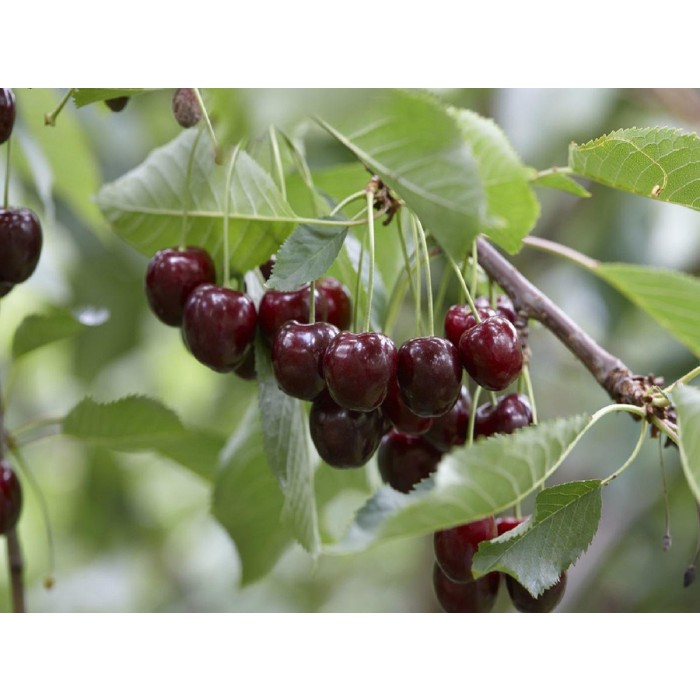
pixel 411 142
pixel 562 527
pixel 669 297
pixel 306 255
pixel 656 162
pixel 86 96
pixel 471 483
pixel 687 402
pixel 285 428
pixel 509 197
pixel 146 206
pixel 557 180
pixel 38 330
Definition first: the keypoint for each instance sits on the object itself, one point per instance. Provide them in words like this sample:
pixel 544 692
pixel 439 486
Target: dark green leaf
pixel 563 526
pixel 687 401
pixel 557 180
pixel 86 96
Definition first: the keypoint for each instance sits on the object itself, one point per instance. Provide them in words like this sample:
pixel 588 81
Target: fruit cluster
pixel 10 498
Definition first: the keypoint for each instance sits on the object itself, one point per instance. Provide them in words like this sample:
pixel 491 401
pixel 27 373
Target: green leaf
pixel 38 330
pixel 306 255
pixel 565 521
pixel 669 297
pixel 285 428
pixel 86 96
pixel 557 180
pixel 411 142
pixel 658 162
pixel 687 402
pixel 471 483
pixel 509 197
pixel 146 206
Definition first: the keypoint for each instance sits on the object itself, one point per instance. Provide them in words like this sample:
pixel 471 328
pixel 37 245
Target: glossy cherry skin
pixel 358 368
pixel 400 415
pixel 20 244
pixel 507 523
pixel 186 109
pixel 337 301
pixel 344 438
pixel 172 275
pixel 297 355
pixel 450 430
pixel 455 547
pixel 524 602
pixel 491 353
pixel 5 288
pixel 245 369
pixel 508 415
pixel 405 460
pixel 276 308
pixel 117 104
pixel 218 326
pixel 475 597
pixel 459 318
pixel 8 111
pixel 10 498
pixel 429 373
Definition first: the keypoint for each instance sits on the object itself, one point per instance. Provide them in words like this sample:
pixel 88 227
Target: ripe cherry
pixel 337 301
pixel 404 460
pixel 450 430
pixel 525 602
pixel 10 497
pixel 400 415
pixel 5 288
pixel 171 277
pixel 117 104
pixel 276 308
pixel 245 369
pixel 8 111
pixel 475 597
pixel 491 353
pixel 297 355
pixel 507 523
pixel 186 107
pixel 344 438
pixel 459 318
pixel 20 244
pixel 508 415
pixel 218 326
pixel 455 547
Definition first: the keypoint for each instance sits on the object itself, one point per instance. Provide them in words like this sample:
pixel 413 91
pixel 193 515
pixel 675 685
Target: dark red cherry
pixel 475 597
pixel 173 275
pixel 117 104
pixel 504 306
pixel 20 244
pixel 276 308
pixel 491 353
pixel 401 416
pixel 266 267
pixel 5 288
pixel 524 602
pixel 510 413
pixel 459 318
pixel 186 107
pixel 404 460
pixel 429 373
pixel 245 369
pixel 359 368
pixel 218 326
pixel 455 547
pixel 8 111
pixel 338 304
pixel 297 355
pixel 507 523
pixel 344 438
pixel 450 430
pixel 10 497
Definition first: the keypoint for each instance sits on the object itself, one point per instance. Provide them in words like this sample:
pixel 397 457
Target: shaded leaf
pixel 557 180
pixel 687 402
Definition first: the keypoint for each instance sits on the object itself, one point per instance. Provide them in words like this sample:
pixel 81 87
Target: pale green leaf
pixel 410 141
pixel 511 203
pixel 471 483
pixel 669 297
pixel 562 527
pixel 687 402
pixel 147 205
pixel 557 180
pixel 86 96
pixel 656 162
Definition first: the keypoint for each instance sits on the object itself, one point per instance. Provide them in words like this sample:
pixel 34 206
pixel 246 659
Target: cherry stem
pixel 684 379
pixel 227 210
pixel 530 393
pixel 465 289
pixel 428 278
pixel 304 171
pixel 631 458
pixel 6 197
pixel 561 251
pixel 218 156
pixel 348 200
pixel 472 416
pixel 312 301
pixel 50 117
pixel 419 278
pixel 370 251
pixel 186 198
pixel 16 567
pixel 277 158
pixel 408 267
pixel 358 285
pixel 667 506
pixel 475 269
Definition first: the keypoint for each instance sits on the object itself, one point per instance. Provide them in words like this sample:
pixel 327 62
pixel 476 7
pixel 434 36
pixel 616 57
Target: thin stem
pixel 428 277
pixel 419 291
pixel 465 289
pixel 312 301
pixel 304 171
pixel 408 267
pixel 551 171
pixel 631 458
pixel 561 251
pixel 227 208
pixel 6 197
pixel 472 416
pixel 358 284
pixel 475 269
pixel 277 158
pixel 666 429
pixel 50 117
pixel 348 200
pixel 684 379
pixel 667 507
pixel 442 294
pixel 186 198
pixel 370 250
pixel 218 156
pixel 530 393
pixel 16 565
pixel 35 424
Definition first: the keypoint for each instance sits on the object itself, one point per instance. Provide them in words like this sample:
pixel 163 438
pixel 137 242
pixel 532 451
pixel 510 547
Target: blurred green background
pixel 133 532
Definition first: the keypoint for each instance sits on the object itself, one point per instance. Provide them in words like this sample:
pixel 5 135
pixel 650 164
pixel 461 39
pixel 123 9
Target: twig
pixel 16 565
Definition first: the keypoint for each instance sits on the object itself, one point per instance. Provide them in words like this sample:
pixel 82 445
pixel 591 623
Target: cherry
pixel 525 602
pixel 20 244
pixel 186 107
pixel 400 415
pixel 344 438
pixel 450 430
pixel 173 275
pixel 117 104
pixel 10 497
pixel 491 353
pixel 475 597
pixel 429 373
pixel 297 354
pixel 276 308
pixel 218 325
pixel 504 306
pixel 359 369
pixel 507 523
pixel 245 369
pixel 8 111
pixel 510 413
pixel 459 318
pixel 455 547
pixel 5 288
pixel 266 267
pixel 404 460
pixel 337 301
